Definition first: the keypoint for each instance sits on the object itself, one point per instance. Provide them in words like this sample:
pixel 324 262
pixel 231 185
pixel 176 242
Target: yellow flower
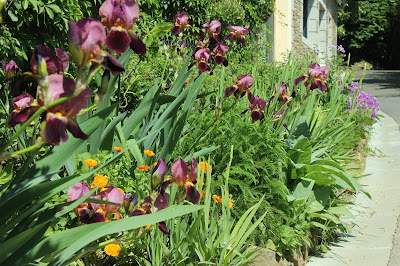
pixel 204 166
pixel 112 250
pixel 147 226
pixel 230 204
pixel 117 148
pixel 90 162
pixel 148 153
pixel 155 164
pixel 143 167
pixel 217 199
pixel 99 181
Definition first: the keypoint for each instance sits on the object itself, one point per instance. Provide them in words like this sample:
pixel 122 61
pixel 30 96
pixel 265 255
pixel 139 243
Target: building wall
pixel 322 27
pixel 282 29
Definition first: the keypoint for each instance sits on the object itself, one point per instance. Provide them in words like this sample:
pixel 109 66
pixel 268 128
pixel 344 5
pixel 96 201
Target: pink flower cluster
pixel 366 102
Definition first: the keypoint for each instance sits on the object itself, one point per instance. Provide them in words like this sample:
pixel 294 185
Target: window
pixel 305 18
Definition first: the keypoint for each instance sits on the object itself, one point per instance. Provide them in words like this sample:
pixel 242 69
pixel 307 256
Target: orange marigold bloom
pixel 202 194
pixel 230 204
pixel 90 162
pixel 148 153
pixel 99 181
pixel 204 166
pixel 155 164
pixel 217 199
pixel 147 226
pixel 117 148
pixel 143 167
pixel 112 250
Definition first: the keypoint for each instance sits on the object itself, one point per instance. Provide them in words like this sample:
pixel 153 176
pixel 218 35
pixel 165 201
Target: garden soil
pixel 375 236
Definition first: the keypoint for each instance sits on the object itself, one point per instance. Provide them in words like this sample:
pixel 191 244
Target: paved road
pixel 385 86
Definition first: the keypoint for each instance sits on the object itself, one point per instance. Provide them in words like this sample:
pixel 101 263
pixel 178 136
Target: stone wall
pixel 299 47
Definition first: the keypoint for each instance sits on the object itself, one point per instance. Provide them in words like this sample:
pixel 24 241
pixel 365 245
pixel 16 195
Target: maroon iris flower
pixel 61 117
pixel 220 51
pixel 238 33
pixel 284 92
pixel 256 105
pixel 243 84
pixel 24 107
pixel 158 174
pixel 213 29
pixel 75 192
pixel 10 69
pixel 315 78
pixel 101 211
pixel 119 16
pixel 54 64
pixel 181 21
pixel 202 57
pixel 182 177
pixel 147 206
pixel 86 38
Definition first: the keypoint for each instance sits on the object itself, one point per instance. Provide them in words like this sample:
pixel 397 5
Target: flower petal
pixel 230 90
pixel 118 40
pixel 136 44
pixel 62 60
pixel 175 30
pixel 112 64
pixel 54 131
pixel 193 174
pixel 158 174
pixel 77 191
pixel 256 115
pixel 161 201
pixel 191 193
pixel 163 228
pixel 75 130
pixel 179 171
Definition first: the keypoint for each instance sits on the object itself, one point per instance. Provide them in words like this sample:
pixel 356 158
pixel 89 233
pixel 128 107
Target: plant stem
pixel 30 148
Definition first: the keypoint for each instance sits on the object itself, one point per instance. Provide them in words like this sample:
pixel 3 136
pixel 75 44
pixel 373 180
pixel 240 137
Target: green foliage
pixel 368 26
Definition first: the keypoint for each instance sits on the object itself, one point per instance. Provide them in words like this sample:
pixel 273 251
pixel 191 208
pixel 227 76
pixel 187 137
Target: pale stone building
pixel 303 25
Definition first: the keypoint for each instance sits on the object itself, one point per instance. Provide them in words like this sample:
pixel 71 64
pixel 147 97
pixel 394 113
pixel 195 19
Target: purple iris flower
pixel 243 84
pixel 183 178
pixel 181 21
pixel 202 57
pixel 158 174
pixel 238 34
pixel 213 29
pixel 219 52
pixel 54 64
pixel 315 78
pixel 61 117
pixel 10 69
pixel 256 105
pixel 119 16
pixel 24 107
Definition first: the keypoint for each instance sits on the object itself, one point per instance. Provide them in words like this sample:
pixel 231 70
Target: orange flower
pixel 90 162
pixel 112 250
pixel 147 226
pixel 117 148
pixel 202 194
pixel 143 167
pixel 204 166
pixel 148 153
pixel 155 164
pixel 230 204
pixel 217 199
pixel 99 181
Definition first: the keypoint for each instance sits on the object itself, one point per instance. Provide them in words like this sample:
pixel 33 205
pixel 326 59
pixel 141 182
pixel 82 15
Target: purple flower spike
pixel 158 174
pixel 10 69
pixel 181 21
